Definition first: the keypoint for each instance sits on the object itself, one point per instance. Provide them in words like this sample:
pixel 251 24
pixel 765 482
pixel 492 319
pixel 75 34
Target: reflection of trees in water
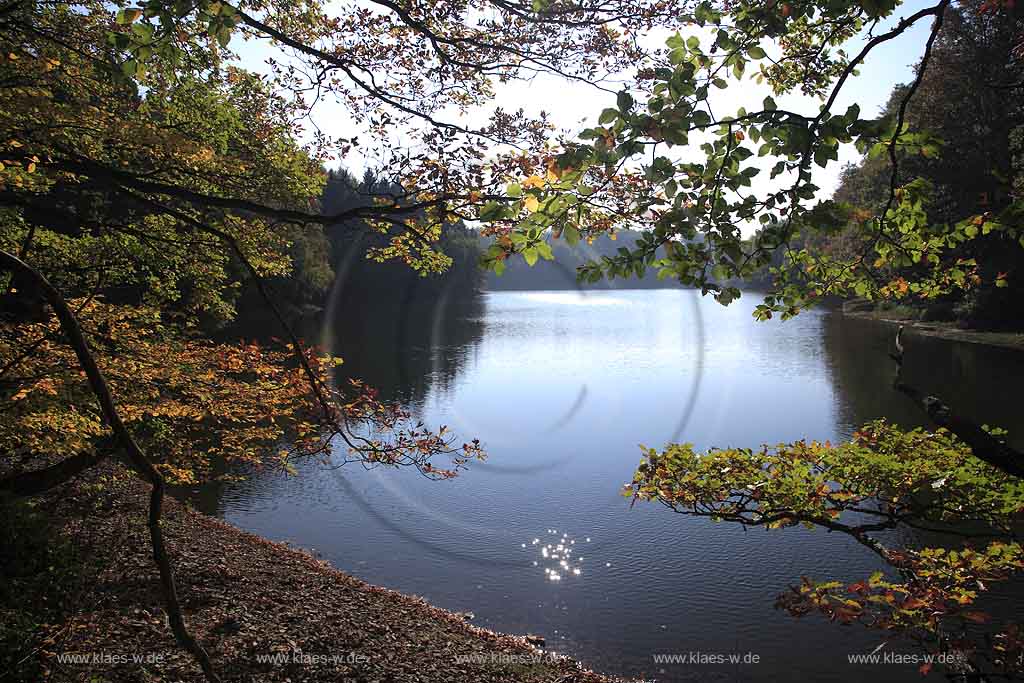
pixel 405 336
pixel 407 339
pixel 386 320
pixel 399 332
pixel 975 380
pixel 208 498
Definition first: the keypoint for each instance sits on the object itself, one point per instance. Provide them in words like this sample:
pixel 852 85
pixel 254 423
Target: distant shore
pixel 943 330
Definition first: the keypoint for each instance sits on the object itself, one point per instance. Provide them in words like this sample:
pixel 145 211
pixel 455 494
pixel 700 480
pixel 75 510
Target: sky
pixel 573 106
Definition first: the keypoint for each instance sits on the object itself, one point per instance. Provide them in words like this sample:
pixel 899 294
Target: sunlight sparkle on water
pixel 556 558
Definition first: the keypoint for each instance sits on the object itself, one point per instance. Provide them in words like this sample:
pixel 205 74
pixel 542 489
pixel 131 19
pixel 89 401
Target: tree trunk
pixel 71 328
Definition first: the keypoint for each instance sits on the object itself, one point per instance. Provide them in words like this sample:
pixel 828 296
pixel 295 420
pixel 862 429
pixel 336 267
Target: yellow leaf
pixel 533 181
pixel 531 204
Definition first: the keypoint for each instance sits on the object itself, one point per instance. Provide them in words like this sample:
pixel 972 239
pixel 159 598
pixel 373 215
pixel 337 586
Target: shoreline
pixel 943 330
pixel 264 611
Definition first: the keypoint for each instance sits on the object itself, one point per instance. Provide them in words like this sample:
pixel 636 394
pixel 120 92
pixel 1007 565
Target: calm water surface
pixel 561 387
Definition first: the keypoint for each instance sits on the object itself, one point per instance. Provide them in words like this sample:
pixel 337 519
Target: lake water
pixel 561 387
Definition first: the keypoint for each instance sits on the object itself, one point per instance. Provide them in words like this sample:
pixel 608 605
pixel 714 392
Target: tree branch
pixel 98 384
pixel 902 115
pixel 32 483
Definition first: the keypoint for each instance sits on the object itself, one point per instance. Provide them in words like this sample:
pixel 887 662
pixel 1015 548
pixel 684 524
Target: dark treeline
pixel 332 268
pixel 348 246
pixel 335 262
pixel 383 318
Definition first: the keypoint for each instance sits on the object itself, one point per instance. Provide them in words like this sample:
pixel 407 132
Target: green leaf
pixel 572 235
pixel 530 255
pixel 608 115
pixel 491 211
pixel 756 53
pixel 704 13
pixel 725 297
pixel 625 101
